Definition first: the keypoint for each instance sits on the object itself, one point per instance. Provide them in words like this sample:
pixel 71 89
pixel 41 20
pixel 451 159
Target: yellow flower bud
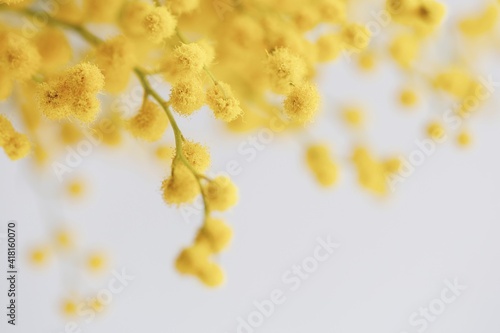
pixel 322 165
pixel 222 102
pixel 186 60
pixel 435 130
pixel 211 275
pixel 18 57
pixel 181 187
pixel 481 24
pixel 187 96
pixel 328 47
pixel 54 48
pixel 72 94
pixel 215 234
pixel 150 122
pixel 355 37
pixel 115 58
pixel 302 103
pixel 405 49
pixel 102 11
pixel 220 193
pixel 354 117
pixel 464 139
pixel 284 69
pixel 192 259
pixel 197 155
pixel 17 146
pixel 408 98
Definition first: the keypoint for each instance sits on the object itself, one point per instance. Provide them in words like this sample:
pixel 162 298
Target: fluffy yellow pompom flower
pixel 181 187
pixel 355 37
pixel 54 48
pixel 17 146
pixel 220 194
pixel 72 94
pixel 456 81
pixel 404 49
pixel 215 234
pixel 40 255
pixel 353 117
pixel 178 7
pixel 115 58
pixel 464 139
pixel 186 60
pixel 142 20
pixel 320 162
pixel 159 24
pixel 187 96
pixel 283 69
pixel 408 98
pixel 302 103
pixel 197 155
pixel 192 259
pixel 149 123
pixel 372 174
pixel 19 58
pixel 480 24
pixel 96 262
pixel 211 275
pixel 221 100
pixel 435 130
pixel 428 15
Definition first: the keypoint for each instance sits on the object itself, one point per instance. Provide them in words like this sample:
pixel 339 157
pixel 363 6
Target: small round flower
pixel 372 174
pixel 165 153
pixel 18 57
pixel 302 103
pixel 366 61
pixel 220 193
pixel 54 48
pixel 408 98
pixel 215 234
pixel 72 94
pixel 69 307
pixel 405 49
pixel 181 187
pixel 464 139
pixel 40 255
pixel 320 162
pixel 393 165
pixel 221 100
pixel 332 11
pixel 96 262
pixel 436 131
pixel 354 117
pixel 142 20
pixel 159 24
pixel 355 37
pixel 211 275
pixel 76 189
pixel 480 24
pixel 185 61
pixel 283 69
pixel 187 96
pixel 17 146
pixel 197 155
pixel 64 239
pixel 192 259
pixel 150 122
pixel 115 58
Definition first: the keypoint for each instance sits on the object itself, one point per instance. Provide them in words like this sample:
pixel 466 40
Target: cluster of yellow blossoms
pixel 252 62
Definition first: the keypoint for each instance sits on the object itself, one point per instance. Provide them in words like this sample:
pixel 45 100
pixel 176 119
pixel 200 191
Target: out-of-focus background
pixel 424 259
